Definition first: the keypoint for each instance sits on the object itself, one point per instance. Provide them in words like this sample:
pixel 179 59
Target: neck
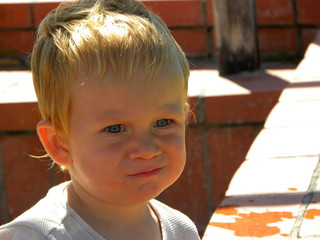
pixel 113 221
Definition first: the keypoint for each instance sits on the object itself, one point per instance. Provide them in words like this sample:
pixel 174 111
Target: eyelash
pixel 168 122
pixel 121 129
pixel 118 128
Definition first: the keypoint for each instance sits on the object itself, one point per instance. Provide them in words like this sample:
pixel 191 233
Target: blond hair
pixel 96 36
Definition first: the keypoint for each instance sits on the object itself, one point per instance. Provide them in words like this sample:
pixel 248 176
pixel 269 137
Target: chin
pixel 148 192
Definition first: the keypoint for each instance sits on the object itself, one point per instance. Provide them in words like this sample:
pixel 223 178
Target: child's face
pixel 127 142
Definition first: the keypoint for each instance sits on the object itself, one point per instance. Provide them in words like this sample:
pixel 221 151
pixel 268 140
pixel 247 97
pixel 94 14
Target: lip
pixel 147 173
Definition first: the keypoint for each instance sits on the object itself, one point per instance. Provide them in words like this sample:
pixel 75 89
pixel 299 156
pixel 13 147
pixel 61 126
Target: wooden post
pixel 236 36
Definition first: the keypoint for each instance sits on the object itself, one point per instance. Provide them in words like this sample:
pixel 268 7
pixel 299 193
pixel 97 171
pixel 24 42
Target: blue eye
pixel 115 129
pixel 162 123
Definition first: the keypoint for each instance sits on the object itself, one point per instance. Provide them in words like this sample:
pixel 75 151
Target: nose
pixel 144 147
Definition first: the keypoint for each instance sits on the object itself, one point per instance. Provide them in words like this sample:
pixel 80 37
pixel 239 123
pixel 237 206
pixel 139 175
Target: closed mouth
pixel 147 173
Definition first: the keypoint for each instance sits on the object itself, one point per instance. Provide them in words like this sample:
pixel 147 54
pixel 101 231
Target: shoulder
pixel 19 232
pixel 175 224
pixel 39 221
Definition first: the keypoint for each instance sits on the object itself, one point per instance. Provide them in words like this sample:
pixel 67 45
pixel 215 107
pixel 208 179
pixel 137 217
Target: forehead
pixel 107 97
pixel 171 71
pixel 167 76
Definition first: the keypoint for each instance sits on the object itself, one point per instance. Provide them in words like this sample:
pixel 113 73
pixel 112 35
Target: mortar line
pixel 298 27
pixel 32 18
pixel 3 195
pixel 295 233
pixel 204 20
pixel 52 175
pixel 204 12
pixel 207 163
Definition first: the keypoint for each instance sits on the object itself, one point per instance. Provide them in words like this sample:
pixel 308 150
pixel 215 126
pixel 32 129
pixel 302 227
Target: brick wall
pixel 285 27
pixel 218 139
pixel 216 146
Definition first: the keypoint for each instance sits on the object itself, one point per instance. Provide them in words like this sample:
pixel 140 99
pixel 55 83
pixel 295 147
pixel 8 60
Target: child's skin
pixel 126 144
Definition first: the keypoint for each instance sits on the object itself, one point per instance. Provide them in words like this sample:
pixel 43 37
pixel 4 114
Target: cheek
pixel 175 142
pixel 92 162
pixel 175 148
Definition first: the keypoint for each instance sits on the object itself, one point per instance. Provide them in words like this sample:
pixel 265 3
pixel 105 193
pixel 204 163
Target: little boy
pixel 112 89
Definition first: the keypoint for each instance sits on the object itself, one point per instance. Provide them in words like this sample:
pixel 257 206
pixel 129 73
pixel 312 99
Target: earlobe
pixel 52 143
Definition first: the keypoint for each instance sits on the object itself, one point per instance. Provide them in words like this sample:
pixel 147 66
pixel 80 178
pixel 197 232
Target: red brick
pixel 17 43
pixel 210 12
pixel 169 11
pixel 228 148
pixel 308 11
pixel 178 13
pixel 42 9
pixel 308 36
pixel 213 43
pixel 308 72
pixel 192 41
pixel 296 180
pixel 240 108
pixel 273 40
pixel 285 142
pixel 274 12
pixel 15 16
pixel 188 194
pixel 303 93
pixel 294 114
pixel 18 116
pixel 26 179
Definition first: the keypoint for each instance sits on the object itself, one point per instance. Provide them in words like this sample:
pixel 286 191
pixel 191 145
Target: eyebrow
pixel 174 107
pixel 166 109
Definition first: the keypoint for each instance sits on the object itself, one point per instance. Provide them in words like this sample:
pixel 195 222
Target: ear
pixel 52 143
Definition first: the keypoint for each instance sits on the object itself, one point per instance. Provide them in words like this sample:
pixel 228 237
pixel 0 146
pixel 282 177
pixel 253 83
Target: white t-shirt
pixel 53 219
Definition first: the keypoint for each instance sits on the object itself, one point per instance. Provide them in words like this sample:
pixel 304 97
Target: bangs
pixel 122 44
pixel 91 37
